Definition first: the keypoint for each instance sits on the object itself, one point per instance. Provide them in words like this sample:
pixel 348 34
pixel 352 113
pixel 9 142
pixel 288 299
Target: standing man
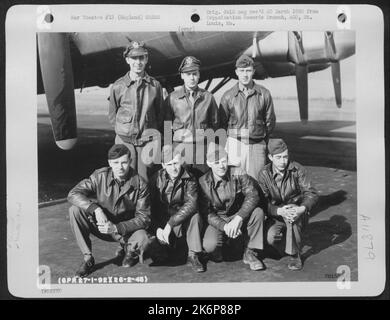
pixel 191 109
pixel 247 113
pixel 290 197
pixel 229 200
pixel 175 207
pixel 114 205
pixel 135 109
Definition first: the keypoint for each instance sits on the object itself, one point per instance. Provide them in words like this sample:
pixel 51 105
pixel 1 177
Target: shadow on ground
pixel 321 235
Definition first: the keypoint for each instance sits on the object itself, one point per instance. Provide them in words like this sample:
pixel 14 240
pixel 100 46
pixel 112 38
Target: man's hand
pixel 107 228
pixel 291 212
pixel 232 229
pixel 296 212
pixel 100 216
pixel 163 234
pixel 285 213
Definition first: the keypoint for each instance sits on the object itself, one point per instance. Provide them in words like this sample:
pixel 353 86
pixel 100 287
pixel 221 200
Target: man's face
pixel 173 167
pixel 280 160
pixel 219 167
pixel 120 166
pixel 245 75
pixel 190 79
pixel 137 64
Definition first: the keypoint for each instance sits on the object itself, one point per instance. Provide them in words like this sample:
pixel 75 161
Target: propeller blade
pixel 335 67
pixel 330 45
pixel 57 76
pixel 301 72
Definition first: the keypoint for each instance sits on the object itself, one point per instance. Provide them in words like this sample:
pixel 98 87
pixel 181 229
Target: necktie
pixel 278 180
pixel 192 97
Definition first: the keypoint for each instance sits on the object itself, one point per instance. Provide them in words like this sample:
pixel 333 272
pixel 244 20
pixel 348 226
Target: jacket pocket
pixel 257 128
pixel 125 122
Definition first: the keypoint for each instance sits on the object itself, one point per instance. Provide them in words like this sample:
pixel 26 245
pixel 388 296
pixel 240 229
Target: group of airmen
pixel 206 195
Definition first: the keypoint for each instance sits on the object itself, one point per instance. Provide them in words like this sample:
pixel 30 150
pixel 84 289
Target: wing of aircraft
pixel 76 60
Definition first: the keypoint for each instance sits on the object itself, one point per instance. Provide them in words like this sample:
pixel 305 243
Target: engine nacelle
pixel 304 47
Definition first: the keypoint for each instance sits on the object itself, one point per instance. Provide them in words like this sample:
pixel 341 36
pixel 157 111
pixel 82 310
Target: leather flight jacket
pixel 296 188
pixel 248 118
pixel 135 109
pixel 127 207
pixel 186 118
pixel 245 197
pixel 183 202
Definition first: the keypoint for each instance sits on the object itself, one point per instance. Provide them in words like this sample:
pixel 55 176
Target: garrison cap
pixel 135 49
pixel 276 146
pixel 189 63
pixel 168 153
pixel 244 61
pixel 117 151
pixel 215 152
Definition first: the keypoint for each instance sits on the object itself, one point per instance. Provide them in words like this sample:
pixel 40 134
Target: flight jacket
pixel 252 118
pixel 183 116
pixel 128 208
pixel 296 188
pixel 245 197
pixel 183 200
pixel 135 109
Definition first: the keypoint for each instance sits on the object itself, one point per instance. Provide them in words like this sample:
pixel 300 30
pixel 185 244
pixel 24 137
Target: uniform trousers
pixel 252 229
pixel 285 236
pixel 83 225
pixel 250 157
pixel 191 229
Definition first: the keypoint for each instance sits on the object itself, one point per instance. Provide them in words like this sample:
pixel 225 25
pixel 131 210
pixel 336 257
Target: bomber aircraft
pixel 68 61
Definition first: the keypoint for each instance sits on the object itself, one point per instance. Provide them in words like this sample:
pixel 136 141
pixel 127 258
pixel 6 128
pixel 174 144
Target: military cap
pixel 168 153
pixel 215 152
pixel 244 61
pixel 117 151
pixel 276 146
pixel 135 49
pixel 189 64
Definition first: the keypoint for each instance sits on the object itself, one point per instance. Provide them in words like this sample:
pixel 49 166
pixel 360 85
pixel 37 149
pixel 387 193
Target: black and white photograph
pixel 196 157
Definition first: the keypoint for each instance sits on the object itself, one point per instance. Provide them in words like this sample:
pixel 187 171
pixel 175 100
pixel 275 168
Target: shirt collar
pixel 215 182
pixel 238 87
pixel 128 181
pixel 129 80
pixel 184 92
pixel 242 87
pixel 275 170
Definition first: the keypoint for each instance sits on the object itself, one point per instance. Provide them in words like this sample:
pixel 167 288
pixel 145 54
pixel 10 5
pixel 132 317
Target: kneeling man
pixel 114 205
pixel 230 201
pixel 290 197
pixel 174 205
